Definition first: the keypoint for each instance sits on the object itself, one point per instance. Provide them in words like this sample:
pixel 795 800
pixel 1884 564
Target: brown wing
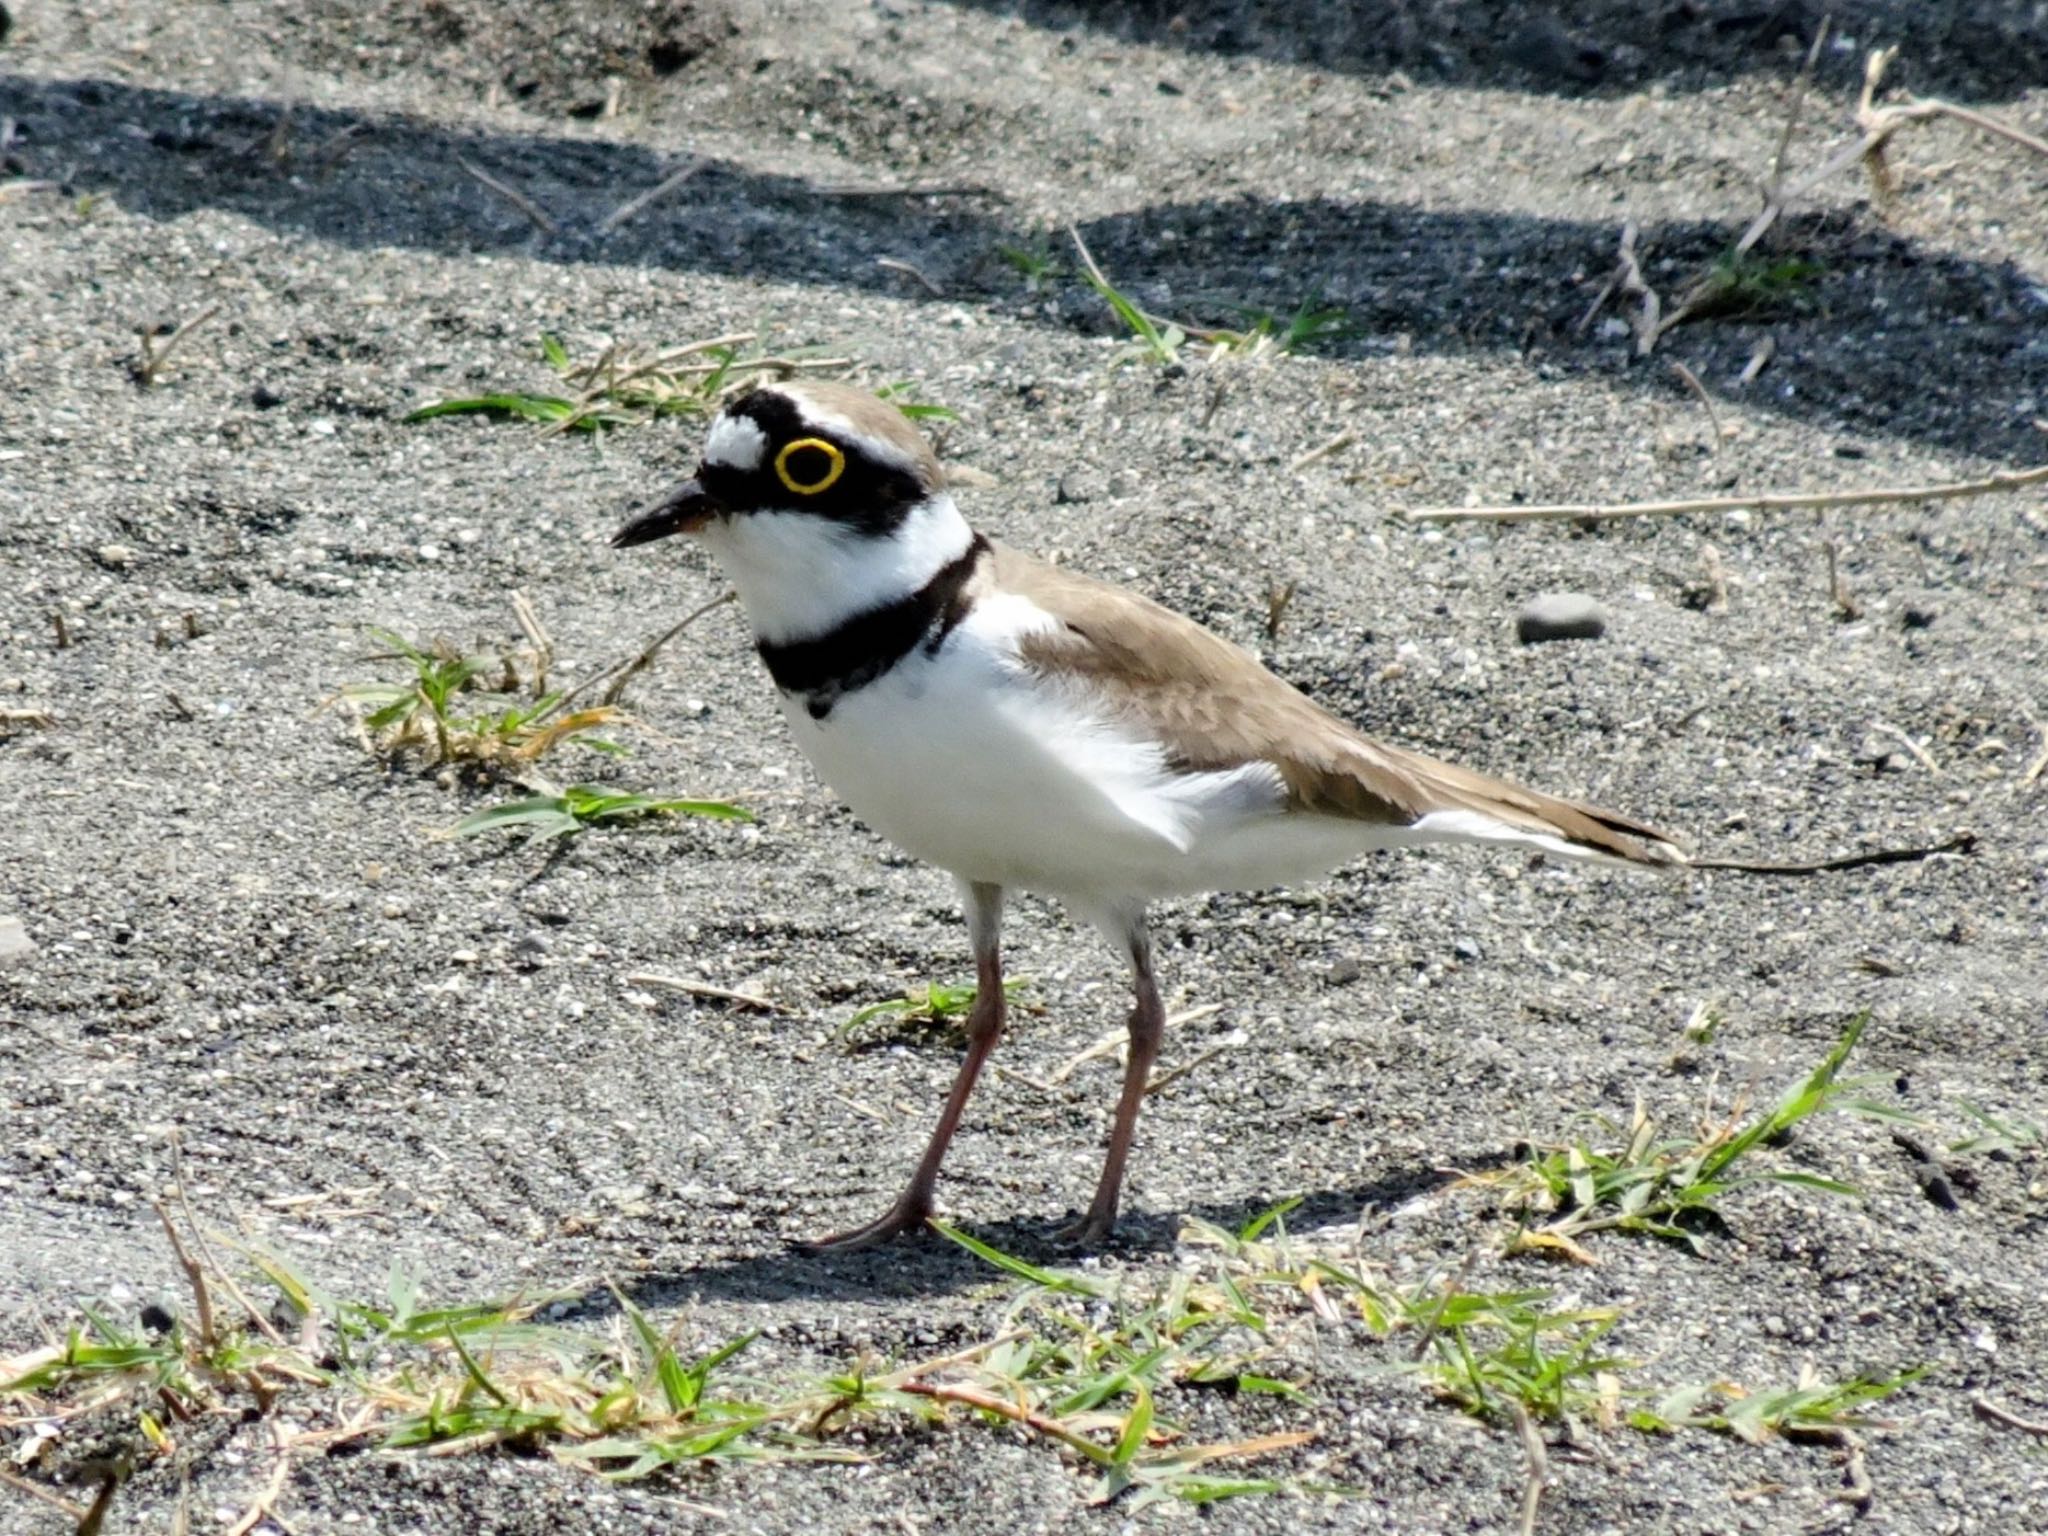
pixel 1215 707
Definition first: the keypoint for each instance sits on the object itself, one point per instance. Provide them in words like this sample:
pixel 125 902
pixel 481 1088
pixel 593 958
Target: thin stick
pixel 1774 197
pixel 1955 490
pixel 1989 1411
pixel 195 1276
pixel 1692 382
pixel 1175 1074
pixel 705 989
pixel 512 195
pixel 1920 754
pixel 968 1397
pixel 1539 1467
pixel 1107 1045
pixel 1649 322
pixel 1323 451
pixel 645 659
pixel 634 207
pixel 2039 765
pixel 257 1512
pixel 36 1491
pixel 935 189
pixel 1759 359
pixel 263 1324
pixel 154 357
pixel 891 264
pixel 1792 111
pixel 638 663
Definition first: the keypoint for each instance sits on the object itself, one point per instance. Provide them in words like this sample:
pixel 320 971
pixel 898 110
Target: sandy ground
pixel 240 926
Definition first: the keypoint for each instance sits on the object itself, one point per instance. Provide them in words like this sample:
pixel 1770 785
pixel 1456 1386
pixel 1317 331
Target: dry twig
pixel 195 1277
pixel 76 1512
pixel 1323 451
pixel 1279 598
pixel 1692 382
pixel 1880 495
pixel 892 264
pixel 518 199
pixel 1992 1413
pixel 1920 753
pixel 634 207
pixel 153 357
pixel 705 989
pixel 1538 1466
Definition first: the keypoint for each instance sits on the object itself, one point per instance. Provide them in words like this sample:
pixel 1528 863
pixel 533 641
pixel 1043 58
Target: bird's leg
pixel 984 1029
pixel 1148 1030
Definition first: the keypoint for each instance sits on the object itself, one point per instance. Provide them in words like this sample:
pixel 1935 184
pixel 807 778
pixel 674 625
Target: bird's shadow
pixel 928 1265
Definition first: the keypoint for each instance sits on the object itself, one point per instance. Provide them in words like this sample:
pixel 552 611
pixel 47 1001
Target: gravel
pixel 376 1045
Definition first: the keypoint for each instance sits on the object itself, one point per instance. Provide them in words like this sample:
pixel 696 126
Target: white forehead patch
pixel 735 442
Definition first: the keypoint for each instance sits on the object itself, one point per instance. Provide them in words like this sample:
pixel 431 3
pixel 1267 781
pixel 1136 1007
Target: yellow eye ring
pixel 824 482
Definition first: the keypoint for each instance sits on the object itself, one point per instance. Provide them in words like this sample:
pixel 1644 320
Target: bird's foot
pixel 1091 1231
pixel 908 1214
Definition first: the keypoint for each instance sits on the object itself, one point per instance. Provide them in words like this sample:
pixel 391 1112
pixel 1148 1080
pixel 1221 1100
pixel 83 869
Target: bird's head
pixel 824 451
pixel 818 499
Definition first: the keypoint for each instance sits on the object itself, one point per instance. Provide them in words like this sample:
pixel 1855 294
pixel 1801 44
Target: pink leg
pixel 984 1028
pixel 1148 1030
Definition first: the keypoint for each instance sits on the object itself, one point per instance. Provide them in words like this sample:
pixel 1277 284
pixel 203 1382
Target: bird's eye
pixel 809 465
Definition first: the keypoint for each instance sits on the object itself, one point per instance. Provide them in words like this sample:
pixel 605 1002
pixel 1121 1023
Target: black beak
pixel 684 510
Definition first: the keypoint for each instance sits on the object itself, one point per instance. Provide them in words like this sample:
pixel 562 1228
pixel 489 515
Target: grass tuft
pixel 580 807
pixel 1641 1180
pixel 1106 1367
pixel 936 1003
pixel 632 385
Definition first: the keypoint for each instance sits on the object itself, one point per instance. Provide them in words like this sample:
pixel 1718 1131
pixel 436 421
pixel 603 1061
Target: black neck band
pixel 867 645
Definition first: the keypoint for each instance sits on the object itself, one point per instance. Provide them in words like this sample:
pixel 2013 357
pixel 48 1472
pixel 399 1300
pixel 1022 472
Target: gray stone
pixel 1560 616
pixel 14 940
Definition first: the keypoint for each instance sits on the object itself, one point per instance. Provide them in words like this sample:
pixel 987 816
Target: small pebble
pixel 115 557
pixel 1560 616
pixel 14 939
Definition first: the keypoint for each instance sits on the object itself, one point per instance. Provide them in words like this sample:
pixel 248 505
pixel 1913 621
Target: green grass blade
pixel 1051 1280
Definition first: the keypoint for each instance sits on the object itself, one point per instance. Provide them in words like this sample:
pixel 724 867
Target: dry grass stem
pixel 1992 1413
pixel 1838 586
pixel 1538 1467
pixel 195 1276
pixel 1759 359
pixel 1691 381
pixel 1279 598
pixel 892 264
pixel 76 1513
pixel 705 989
pixel 1920 753
pixel 260 1510
pixel 154 357
pixel 634 207
pixel 1773 501
pixel 2039 765
pixel 1323 451
pixel 518 199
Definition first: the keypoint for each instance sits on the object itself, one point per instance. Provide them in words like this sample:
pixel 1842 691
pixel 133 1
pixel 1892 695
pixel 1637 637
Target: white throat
pixel 800 575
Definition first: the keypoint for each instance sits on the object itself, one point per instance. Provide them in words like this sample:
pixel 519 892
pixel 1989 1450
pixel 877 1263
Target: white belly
pixel 966 762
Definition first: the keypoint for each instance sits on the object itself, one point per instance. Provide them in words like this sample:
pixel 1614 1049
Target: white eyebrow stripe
pixel 735 442
pixel 825 419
